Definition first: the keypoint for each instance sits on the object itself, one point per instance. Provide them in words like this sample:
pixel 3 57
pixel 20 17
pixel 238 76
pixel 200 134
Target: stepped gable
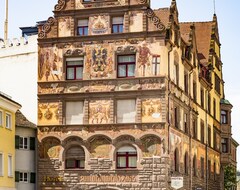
pixel 22 121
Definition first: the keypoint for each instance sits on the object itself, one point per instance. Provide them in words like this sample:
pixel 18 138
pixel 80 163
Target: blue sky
pixel 27 12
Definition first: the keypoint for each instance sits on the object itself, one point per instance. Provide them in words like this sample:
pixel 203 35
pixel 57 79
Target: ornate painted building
pixel 128 97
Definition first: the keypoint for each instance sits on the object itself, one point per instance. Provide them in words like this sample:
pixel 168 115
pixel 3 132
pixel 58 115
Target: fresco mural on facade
pixel 48 113
pixel 151 147
pixel 49 148
pixel 50 64
pixel 99 112
pixel 100 147
pixel 99 24
pixel 151 110
pixel 64 26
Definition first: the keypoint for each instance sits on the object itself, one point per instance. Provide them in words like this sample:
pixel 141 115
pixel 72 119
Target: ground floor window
pixel 126 157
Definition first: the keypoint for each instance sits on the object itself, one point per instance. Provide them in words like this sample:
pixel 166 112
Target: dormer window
pixel 82 29
pixel 117 25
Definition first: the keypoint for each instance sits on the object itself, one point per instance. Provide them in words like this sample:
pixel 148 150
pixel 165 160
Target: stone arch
pixel 124 137
pixel 50 147
pixel 105 187
pixel 99 146
pixel 71 138
pixel 151 145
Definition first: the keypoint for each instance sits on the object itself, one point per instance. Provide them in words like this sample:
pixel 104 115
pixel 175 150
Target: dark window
pixel 202 167
pixel 126 66
pixel 186 123
pixel 209 169
pixel 217 83
pixel 194 123
pixel 23 143
pixel 126 157
pixel 209 104
pixel 202 132
pixel 82 29
pixel 214 108
pixel 117 25
pixel 194 91
pixel 176 73
pixel 186 82
pixel 224 118
pixel 209 136
pixel 214 171
pixel 74 68
pixel 23 177
pixel 176 160
pixel 156 65
pixel 186 163
pixel 225 145
pixel 75 157
pixel 214 139
pixel 202 98
pixel 194 165
pixel 176 117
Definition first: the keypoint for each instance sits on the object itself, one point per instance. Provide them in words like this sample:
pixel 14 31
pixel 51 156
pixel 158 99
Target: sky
pixel 27 12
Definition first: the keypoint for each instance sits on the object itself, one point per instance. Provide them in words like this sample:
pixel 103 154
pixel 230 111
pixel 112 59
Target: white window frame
pixel 22 180
pixel 8 120
pixel 75 115
pixel 121 117
pixel 2 164
pixel 1 118
pixel 10 165
pixel 23 145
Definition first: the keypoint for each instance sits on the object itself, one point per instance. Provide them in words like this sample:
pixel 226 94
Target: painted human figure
pixel 143 59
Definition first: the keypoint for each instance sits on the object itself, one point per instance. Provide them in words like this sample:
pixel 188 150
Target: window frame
pixel 1 118
pixel 8 120
pixel 83 27
pixel 194 165
pixel 2 165
pixel 24 145
pixel 75 67
pixel 119 112
pixel 176 160
pixel 126 155
pixel 224 117
pixel 22 178
pixel 10 165
pixel 77 160
pixel 186 163
pixel 126 64
pixel 118 25
pixel 225 145
pixel 156 60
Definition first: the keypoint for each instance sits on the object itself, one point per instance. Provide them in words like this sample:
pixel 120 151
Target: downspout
pixel 206 127
pixel 190 127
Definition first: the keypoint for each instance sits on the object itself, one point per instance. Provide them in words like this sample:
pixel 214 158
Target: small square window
pixel 23 177
pixel 82 29
pixel 117 24
pixel 126 66
pixel 74 68
pixel 23 143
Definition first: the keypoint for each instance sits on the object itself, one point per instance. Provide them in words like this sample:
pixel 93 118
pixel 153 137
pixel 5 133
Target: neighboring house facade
pixel 25 144
pixel 128 98
pixel 18 58
pixel 8 108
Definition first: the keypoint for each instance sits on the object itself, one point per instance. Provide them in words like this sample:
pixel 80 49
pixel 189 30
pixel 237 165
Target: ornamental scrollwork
pixel 156 21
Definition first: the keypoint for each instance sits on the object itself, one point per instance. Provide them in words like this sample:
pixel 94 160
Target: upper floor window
pixel 209 136
pixel 117 24
pixel 176 73
pixel 23 143
pixel 156 65
pixel 194 131
pixel 202 167
pixel 194 91
pixel 10 166
pixel 1 118
pixel 186 163
pixel 186 82
pixel 1 164
pixel 176 117
pixel 74 68
pixel 82 29
pixel 74 112
pixel 185 123
pixel 194 165
pixel 225 145
pixel 8 121
pixel 202 98
pixel 75 157
pixel 202 132
pixel 217 83
pixel 126 111
pixel 126 66
pixel 224 117
pixel 126 157
pixel 176 160
pixel 214 108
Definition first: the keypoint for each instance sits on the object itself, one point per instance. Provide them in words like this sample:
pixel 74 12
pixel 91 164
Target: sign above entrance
pixel 176 182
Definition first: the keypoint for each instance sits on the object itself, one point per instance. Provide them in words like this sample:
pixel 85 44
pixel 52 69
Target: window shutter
pixel 32 143
pixel 32 177
pixel 17 139
pixel 16 176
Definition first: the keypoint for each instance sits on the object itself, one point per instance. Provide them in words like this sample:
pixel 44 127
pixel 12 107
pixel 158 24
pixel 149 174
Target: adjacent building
pixel 8 108
pixel 128 98
pixel 25 145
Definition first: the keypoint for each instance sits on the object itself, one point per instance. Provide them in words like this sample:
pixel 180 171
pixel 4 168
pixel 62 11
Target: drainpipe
pixel 206 127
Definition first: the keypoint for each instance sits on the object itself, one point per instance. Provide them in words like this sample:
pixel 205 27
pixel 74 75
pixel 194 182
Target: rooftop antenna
pixel 6 23
pixel 214 6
